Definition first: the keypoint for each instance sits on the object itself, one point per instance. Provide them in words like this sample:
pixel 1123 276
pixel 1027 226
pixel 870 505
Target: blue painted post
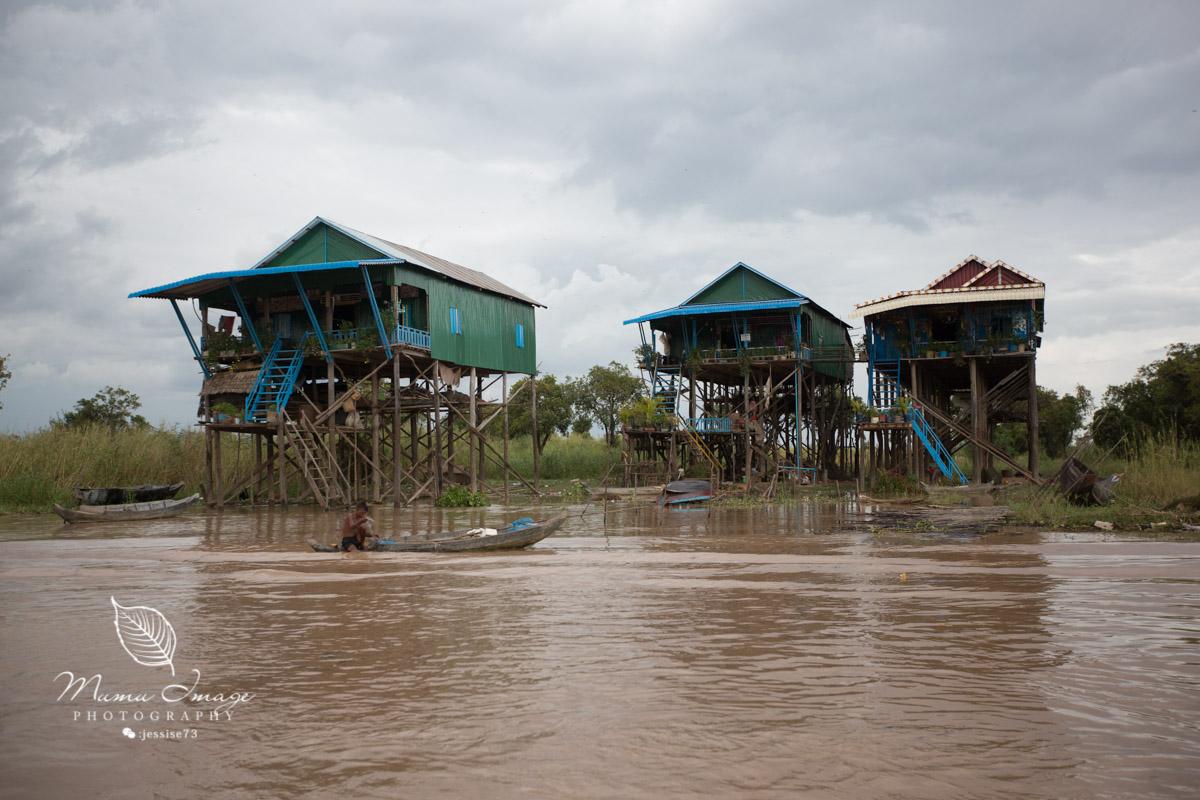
pixel 247 323
pixel 191 339
pixel 384 339
pixel 312 317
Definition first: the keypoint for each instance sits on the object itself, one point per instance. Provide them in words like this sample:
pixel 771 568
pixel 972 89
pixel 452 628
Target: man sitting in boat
pixel 358 529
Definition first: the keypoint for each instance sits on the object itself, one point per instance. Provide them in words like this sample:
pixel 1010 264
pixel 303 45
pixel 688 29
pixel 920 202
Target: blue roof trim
pixel 260 272
pixel 742 265
pixel 719 308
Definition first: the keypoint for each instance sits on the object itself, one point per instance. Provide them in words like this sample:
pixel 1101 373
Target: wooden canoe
pixel 154 509
pixel 678 493
pixel 461 541
pixel 125 495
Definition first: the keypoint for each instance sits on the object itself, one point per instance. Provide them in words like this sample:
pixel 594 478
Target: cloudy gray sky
pixel 605 158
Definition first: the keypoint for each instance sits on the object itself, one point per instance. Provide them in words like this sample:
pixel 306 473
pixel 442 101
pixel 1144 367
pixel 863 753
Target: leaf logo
pixel 145 634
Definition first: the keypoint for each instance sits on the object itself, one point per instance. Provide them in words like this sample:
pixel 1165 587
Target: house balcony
pixel 363 338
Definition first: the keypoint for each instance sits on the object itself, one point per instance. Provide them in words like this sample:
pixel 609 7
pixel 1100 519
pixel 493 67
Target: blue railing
pixel 411 337
pixel 347 338
pixel 934 446
pixel 710 424
pixel 276 380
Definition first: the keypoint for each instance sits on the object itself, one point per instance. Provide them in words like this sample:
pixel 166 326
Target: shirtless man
pixel 357 529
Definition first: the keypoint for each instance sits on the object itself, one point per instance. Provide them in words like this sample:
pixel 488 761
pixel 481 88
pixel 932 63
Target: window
pixel 520 335
pixel 455 321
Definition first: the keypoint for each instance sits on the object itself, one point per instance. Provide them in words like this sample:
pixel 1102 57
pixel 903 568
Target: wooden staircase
pixel 329 487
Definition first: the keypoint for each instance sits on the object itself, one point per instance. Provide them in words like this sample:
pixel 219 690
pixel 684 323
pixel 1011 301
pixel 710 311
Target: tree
pixel 5 374
pixel 556 407
pixel 582 426
pixel 604 391
pixel 112 407
pixel 1163 399
pixel 1060 418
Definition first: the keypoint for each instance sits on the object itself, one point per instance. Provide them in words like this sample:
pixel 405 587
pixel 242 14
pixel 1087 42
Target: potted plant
pixel 225 412
pixel 873 413
pixel 272 413
pixel 904 404
pixel 645 356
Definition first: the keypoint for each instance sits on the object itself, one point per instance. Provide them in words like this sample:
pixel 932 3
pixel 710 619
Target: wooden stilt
pixel 473 464
pixel 537 443
pixel 504 399
pixel 436 422
pixel 1031 426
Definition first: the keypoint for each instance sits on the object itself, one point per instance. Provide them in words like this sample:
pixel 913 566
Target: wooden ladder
pixel 324 490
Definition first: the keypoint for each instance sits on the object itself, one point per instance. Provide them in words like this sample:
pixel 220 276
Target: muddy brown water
pixel 776 652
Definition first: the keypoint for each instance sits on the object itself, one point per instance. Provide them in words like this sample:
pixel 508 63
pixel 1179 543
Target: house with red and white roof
pixel 969 338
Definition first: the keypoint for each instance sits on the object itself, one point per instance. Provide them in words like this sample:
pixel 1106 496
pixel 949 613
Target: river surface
pixel 778 652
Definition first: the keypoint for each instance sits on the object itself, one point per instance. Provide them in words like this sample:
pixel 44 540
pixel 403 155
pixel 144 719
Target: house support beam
pixel 247 321
pixel 312 318
pixel 191 339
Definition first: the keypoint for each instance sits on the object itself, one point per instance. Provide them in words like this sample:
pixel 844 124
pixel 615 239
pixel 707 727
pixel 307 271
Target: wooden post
pixel 1031 424
pixel 471 443
pixel 208 454
pixel 537 445
pixel 281 454
pixel 255 484
pixel 376 477
pixel 978 420
pixel 746 423
pixel 437 429
pixel 397 500
pixel 504 399
pixel 270 462
pixel 330 395
pixel 218 476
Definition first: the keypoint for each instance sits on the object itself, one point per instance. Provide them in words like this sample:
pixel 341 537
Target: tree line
pixel 1162 400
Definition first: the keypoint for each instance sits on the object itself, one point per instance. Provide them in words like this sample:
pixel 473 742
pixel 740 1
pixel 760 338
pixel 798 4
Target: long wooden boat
pixel 677 493
pixel 127 511
pixel 470 540
pixel 124 495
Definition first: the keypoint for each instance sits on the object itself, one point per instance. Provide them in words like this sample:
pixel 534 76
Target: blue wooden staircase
pixel 276 380
pixel 933 445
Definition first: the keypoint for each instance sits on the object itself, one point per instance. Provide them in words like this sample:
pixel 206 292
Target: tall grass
pixel 1155 474
pixel 563 457
pixel 41 468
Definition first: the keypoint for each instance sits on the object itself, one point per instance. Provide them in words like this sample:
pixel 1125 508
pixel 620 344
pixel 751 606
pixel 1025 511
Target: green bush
pixel 461 497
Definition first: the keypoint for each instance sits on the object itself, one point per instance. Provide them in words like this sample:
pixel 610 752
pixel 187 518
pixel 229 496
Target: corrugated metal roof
pixel 210 281
pixel 719 308
pixel 456 272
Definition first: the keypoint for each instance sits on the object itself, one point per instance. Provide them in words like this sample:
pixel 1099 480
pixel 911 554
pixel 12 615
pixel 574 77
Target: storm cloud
pixel 605 158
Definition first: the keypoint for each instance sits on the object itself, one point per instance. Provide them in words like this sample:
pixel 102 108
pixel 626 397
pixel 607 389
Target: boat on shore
pixel 677 493
pixel 126 512
pixel 124 495
pixel 517 535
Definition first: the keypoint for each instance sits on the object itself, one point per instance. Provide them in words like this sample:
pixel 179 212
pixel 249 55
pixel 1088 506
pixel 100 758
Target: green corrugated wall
pixel 320 245
pixel 741 285
pixel 488 338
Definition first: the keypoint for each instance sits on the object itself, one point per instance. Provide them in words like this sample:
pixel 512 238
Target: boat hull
pixel 127 512
pixel 460 542
pixel 125 495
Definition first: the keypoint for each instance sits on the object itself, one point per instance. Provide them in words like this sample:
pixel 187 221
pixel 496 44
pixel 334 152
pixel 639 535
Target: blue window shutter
pixel 455 321
pixel 520 335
